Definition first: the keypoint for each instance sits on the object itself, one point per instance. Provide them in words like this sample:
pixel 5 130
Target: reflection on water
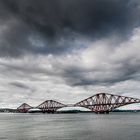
pixel 116 126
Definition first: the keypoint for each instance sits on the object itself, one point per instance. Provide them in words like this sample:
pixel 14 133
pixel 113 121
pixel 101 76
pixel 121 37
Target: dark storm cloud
pixel 58 23
pixel 102 76
pixel 52 17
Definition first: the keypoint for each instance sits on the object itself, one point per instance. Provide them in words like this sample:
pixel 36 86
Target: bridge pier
pixel 49 111
pixel 102 112
pixel 107 112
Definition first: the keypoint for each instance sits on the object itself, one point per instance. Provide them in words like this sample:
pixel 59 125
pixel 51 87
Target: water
pixel 116 126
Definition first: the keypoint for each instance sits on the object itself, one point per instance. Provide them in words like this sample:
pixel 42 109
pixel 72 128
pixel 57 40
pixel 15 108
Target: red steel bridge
pixel 50 106
pixel 99 103
pixel 23 108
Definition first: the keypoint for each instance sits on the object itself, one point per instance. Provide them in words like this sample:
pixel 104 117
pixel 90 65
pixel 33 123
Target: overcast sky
pixel 68 50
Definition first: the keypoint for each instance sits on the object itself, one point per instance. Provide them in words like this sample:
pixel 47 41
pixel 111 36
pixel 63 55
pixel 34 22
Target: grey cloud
pixel 103 75
pixel 98 16
pixel 105 68
pixel 59 23
pixel 19 85
pixel 101 65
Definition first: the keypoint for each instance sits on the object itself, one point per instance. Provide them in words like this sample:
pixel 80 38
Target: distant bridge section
pixel 23 108
pixel 50 106
pixel 105 103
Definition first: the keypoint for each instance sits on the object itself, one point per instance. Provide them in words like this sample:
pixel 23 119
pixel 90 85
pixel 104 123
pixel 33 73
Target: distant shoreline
pixel 8 110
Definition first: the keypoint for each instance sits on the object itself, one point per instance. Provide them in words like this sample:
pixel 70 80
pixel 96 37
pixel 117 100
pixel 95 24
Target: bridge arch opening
pixel 74 109
pixel 133 106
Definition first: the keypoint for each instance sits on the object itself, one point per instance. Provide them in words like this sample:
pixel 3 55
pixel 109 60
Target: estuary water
pixel 80 126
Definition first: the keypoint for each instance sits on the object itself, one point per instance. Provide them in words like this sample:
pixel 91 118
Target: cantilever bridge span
pixel 23 108
pixel 105 103
pixel 99 103
pixel 50 106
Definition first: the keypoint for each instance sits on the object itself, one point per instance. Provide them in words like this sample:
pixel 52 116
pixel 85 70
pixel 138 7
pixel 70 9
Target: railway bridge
pixel 99 103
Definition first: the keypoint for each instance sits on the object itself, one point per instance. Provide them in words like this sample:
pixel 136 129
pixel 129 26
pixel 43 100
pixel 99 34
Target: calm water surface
pixel 116 126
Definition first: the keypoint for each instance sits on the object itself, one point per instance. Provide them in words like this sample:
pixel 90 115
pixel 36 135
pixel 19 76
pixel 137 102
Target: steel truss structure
pixel 99 103
pixel 50 106
pixel 23 108
pixel 104 102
